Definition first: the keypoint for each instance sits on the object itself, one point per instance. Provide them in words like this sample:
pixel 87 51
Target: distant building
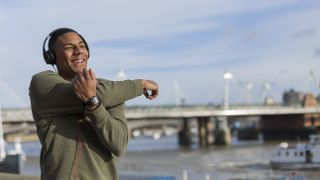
pixel 269 100
pixel 292 126
pixel 318 99
pixel 292 98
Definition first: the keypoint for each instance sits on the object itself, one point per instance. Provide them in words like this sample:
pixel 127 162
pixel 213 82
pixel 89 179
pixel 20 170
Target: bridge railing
pixel 156 112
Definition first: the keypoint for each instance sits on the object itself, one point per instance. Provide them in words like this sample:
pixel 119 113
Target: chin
pixel 77 70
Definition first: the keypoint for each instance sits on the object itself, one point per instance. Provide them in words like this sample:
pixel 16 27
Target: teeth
pixel 78 61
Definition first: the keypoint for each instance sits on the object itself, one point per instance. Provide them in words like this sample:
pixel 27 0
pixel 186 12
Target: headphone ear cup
pixel 49 57
pixel 52 57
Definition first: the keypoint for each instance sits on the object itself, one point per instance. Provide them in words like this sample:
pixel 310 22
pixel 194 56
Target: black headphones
pixel 48 54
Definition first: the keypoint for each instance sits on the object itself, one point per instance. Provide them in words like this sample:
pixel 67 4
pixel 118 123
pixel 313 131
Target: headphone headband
pixel 48 54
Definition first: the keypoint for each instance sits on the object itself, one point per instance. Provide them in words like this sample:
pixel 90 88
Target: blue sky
pixel 190 42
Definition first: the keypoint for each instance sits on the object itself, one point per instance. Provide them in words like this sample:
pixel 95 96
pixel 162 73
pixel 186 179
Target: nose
pixel 77 49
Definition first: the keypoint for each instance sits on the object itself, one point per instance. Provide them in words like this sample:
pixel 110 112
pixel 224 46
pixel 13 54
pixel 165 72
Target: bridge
pixel 136 113
pixel 142 116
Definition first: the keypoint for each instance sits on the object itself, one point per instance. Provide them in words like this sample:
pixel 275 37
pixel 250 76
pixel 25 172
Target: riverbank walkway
pixel 7 176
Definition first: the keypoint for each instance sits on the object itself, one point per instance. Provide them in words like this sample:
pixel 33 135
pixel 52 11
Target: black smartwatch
pixel 93 101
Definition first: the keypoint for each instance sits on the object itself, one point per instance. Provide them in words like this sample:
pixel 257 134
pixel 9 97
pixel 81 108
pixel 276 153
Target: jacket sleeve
pixel 51 95
pixel 112 93
pixel 111 127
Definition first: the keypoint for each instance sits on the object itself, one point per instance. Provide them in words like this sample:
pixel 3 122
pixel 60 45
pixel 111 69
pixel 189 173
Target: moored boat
pixel 11 161
pixel 303 156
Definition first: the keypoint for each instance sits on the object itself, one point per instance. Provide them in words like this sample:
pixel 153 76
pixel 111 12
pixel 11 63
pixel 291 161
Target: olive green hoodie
pixel 77 144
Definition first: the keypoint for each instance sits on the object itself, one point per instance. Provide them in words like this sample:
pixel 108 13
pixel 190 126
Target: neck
pixel 65 75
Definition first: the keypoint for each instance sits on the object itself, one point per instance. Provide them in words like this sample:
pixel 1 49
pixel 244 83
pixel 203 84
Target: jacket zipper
pixel 78 153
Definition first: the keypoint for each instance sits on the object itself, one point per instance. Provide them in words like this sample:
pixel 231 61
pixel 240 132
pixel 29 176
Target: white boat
pixel 303 156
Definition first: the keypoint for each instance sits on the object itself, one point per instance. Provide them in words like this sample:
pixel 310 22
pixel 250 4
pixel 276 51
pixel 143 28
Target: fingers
pixel 85 73
pixel 84 76
pixel 91 74
pixel 145 92
pixel 78 80
pixel 81 77
pixel 77 85
pixel 150 86
pixel 153 95
pixel 84 84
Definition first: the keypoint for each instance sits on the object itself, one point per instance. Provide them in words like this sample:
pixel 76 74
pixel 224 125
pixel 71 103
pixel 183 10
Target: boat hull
pixel 12 164
pixel 295 166
pixel 280 134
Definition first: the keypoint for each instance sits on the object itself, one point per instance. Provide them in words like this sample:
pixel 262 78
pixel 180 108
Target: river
pixel 163 158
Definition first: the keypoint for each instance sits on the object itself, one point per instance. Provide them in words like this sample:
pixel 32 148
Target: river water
pixel 163 158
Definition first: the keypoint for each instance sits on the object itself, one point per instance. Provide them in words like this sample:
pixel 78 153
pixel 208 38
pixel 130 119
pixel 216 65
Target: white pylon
pixel 265 87
pixel 249 87
pixel 313 78
pixel 177 92
pixel 226 76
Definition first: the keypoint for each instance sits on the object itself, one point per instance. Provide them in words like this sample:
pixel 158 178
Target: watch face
pixel 94 100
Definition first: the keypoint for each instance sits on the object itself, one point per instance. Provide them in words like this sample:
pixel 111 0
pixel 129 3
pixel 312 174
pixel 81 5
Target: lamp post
pixel 249 86
pixel 226 76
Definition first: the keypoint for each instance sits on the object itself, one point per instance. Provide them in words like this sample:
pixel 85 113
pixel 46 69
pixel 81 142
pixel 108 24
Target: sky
pixel 184 45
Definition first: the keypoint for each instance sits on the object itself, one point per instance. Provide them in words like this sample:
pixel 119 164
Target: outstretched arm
pixel 51 95
pixel 85 86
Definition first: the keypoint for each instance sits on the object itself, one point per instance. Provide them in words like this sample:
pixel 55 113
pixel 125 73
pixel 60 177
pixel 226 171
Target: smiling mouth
pixel 78 61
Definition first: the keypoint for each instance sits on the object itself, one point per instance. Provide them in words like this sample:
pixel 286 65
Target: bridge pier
pixel 207 135
pixel 204 131
pixel 222 134
pixel 184 135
